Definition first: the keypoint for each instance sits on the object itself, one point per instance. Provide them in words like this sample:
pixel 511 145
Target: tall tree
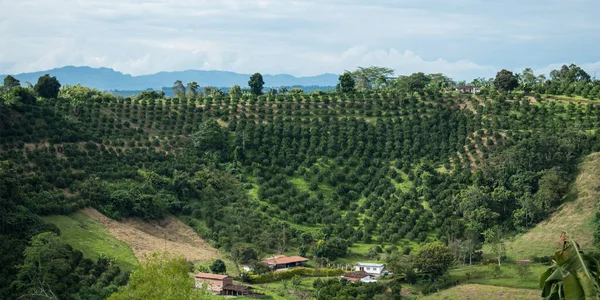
pixel 179 89
pixel 256 84
pixel 192 89
pixel 10 82
pixel 47 87
pixel 366 77
pixel 506 81
pixel 346 83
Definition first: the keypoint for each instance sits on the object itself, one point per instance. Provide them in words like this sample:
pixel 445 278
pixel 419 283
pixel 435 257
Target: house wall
pixel 213 285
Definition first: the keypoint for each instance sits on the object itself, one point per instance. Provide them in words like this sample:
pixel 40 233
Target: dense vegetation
pixel 379 161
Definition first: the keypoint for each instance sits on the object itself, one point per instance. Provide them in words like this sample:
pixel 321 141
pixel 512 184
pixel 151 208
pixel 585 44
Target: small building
pixel 369 268
pixel 285 262
pixel 468 89
pixel 361 276
pixel 214 282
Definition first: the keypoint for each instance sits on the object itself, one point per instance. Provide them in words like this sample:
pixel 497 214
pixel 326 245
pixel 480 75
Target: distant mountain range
pixel 109 79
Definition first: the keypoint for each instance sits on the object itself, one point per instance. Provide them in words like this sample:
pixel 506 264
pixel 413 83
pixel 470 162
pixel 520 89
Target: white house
pixel 468 89
pixel 371 269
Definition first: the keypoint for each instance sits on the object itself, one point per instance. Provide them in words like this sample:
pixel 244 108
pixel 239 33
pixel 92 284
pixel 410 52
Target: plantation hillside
pixel 324 175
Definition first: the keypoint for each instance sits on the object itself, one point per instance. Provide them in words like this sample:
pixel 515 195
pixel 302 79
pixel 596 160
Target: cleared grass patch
pixel 92 239
pixel 509 277
pixel 574 216
pixel 478 291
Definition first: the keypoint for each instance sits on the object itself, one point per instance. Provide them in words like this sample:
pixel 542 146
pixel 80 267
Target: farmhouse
pixel 361 276
pixel 369 268
pixel 221 285
pixel 213 282
pixel 284 262
pixel 468 89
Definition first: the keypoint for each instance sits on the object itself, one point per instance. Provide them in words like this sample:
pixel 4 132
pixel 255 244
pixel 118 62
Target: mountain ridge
pixel 109 79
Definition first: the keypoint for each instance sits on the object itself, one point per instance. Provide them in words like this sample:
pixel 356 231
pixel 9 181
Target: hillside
pixel 90 237
pixel 108 79
pixel 336 177
pixel 478 291
pixel 168 235
pixel 575 216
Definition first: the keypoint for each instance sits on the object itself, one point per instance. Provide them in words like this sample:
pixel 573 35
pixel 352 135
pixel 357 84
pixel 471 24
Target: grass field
pixel 575 216
pixel 90 237
pixel 509 277
pixel 478 291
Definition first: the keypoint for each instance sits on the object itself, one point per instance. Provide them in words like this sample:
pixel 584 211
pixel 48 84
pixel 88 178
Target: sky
pixel 464 39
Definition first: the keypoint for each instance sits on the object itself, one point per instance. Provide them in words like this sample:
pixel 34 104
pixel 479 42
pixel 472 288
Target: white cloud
pixel 462 38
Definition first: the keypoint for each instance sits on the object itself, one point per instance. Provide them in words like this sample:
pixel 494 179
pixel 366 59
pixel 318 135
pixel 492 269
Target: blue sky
pixel 462 38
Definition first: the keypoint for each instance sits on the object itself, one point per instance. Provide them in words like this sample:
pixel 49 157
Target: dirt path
pixel 169 235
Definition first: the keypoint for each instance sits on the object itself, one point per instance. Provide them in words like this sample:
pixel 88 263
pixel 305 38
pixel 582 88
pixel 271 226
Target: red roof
pixel 210 276
pixel 282 260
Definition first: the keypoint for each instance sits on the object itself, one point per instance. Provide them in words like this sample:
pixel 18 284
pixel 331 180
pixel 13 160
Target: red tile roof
pixel 210 276
pixel 282 260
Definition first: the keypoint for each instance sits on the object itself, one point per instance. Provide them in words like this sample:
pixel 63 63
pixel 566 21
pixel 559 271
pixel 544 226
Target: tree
pixel 10 82
pixel 346 83
pixel 192 89
pixel 47 87
pixel 210 136
pixel 416 81
pixel 160 276
pixel 243 254
pixel 433 259
pixel 218 266
pixel 506 81
pixel 256 84
pixel 179 89
pixel 235 91
pixel 494 237
pixel 366 77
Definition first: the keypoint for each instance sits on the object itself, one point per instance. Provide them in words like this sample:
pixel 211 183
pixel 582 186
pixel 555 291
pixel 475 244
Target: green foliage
pixel 346 83
pixel 10 82
pixel 161 276
pixel 433 259
pixel 575 275
pixel 256 84
pixel 244 253
pixel 288 274
pixel 210 136
pixel 506 81
pixel 218 266
pixel 52 269
pixel 47 87
pixel 343 289
pixel 523 269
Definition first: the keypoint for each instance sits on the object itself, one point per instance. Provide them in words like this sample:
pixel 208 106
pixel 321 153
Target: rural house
pixel 221 285
pixel 361 276
pixel 214 282
pixel 369 268
pixel 468 89
pixel 284 262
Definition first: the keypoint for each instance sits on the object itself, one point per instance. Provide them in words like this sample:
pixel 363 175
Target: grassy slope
pixel 90 237
pixel 477 291
pixel 575 217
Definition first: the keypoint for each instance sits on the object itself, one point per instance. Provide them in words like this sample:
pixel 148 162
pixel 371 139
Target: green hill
pixel 575 216
pixel 90 237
